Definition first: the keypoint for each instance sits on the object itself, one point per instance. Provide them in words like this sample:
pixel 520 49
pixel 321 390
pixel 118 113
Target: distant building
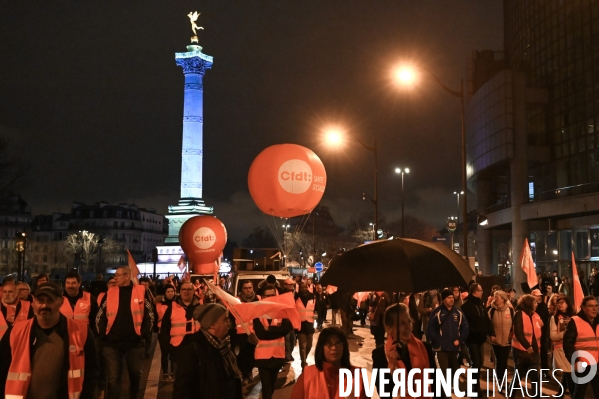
pixel 15 216
pixel 533 138
pixel 138 230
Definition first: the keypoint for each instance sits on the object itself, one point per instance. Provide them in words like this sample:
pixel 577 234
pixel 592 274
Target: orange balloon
pixel 203 239
pixel 287 180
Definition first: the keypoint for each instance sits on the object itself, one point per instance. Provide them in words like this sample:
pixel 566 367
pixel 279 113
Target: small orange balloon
pixel 287 180
pixel 203 239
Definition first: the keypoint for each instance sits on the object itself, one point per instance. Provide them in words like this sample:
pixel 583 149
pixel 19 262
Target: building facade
pixel 532 124
pixel 15 217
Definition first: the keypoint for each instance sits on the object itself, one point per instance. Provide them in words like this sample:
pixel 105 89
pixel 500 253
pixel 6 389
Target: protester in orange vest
pixel 557 328
pixel 208 369
pixel 78 305
pixel 111 283
pixel 163 302
pixel 11 307
pixel 125 317
pixel 526 342
pixel 402 350
pixel 305 303
pixel 270 351
pixel 247 344
pixel 582 334
pixel 48 354
pixel 321 380
pixel 178 322
pixel 24 292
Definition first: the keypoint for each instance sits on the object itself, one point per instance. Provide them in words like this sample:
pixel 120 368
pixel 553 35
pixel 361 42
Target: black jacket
pixel 91 360
pixel 307 327
pixel 165 328
pixel 201 373
pixel 478 322
pixel 122 333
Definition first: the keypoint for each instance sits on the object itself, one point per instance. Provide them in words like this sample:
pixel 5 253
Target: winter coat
pixel 502 323
pixel 479 323
pixel 443 334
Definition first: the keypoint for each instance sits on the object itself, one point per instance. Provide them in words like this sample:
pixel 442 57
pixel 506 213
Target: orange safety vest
pixel 160 310
pixel 529 329
pixel 3 325
pixel 21 316
pixel 418 358
pixel 179 324
pixel 100 296
pixel 270 348
pixel 137 306
pixel 316 387
pixel 306 313
pixel 81 310
pixel 561 320
pixel 587 339
pixel 19 373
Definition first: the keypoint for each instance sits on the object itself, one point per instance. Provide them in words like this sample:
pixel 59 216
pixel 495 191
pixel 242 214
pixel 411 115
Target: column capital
pixel 194 62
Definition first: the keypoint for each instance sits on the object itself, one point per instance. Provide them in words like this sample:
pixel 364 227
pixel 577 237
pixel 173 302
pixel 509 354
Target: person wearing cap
pixel 12 309
pixel 208 369
pixel 447 330
pixel 543 312
pixel 48 356
pixel 125 317
pixel 78 305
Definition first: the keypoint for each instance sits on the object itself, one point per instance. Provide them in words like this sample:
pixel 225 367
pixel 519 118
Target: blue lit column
pixel 194 64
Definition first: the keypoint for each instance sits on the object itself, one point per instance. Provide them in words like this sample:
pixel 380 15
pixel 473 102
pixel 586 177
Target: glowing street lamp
pixel 336 136
pixel 403 77
pixel 402 172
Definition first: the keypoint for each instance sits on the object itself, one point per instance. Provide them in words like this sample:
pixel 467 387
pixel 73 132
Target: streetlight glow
pixel 334 136
pixel 405 76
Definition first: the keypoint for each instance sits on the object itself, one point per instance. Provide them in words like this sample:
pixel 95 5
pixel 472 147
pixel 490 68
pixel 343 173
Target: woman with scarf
pixel 162 303
pixel 207 368
pixel 402 350
pixel 270 352
pixel 557 327
pixel 321 380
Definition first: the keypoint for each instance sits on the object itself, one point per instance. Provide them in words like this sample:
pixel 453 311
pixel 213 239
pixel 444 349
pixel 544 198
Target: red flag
pixel 133 267
pixel 330 289
pixel 528 265
pixel 361 296
pixel 185 276
pixel 274 307
pixel 181 265
pixel 578 293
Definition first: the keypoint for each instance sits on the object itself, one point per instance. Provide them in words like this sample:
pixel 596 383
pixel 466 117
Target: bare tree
pixel 87 245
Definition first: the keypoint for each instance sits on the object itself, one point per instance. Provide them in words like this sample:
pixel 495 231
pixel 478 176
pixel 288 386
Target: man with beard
pixel 78 305
pixel 247 343
pixel 12 309
pixel 49 356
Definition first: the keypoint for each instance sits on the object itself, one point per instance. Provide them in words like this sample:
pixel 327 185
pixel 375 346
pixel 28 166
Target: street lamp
pixel 407 76
pixel 20 246
pixel 335 136
pixel 402 171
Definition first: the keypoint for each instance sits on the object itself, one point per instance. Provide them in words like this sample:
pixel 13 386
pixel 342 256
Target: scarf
pixel 224 347
pixel 248 298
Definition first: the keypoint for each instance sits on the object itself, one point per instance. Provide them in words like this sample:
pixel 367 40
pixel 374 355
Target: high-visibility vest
pixel 270 348
pixel 306 313
pixel 160 310
pixel 316 387
pixel 560 320
pixel 20 316
pixel 179 324
pixel 418 358
pixel 100 296
pixel 19 373
pixel 137 306
pixel 249 324
pixel 81 310
pixel 587 339
pixel 529 329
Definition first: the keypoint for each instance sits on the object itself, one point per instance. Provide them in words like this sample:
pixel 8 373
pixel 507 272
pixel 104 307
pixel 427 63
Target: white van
pixel 256 277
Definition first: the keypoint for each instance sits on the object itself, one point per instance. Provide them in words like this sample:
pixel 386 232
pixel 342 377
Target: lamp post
pixel 457 194
pixel 407 76
pixel 286 227
pixel 335 136
pixel 20 246
pixel 402 171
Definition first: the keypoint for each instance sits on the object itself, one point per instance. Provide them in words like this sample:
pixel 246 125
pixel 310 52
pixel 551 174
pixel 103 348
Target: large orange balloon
pixel 203 239
pixel 287 180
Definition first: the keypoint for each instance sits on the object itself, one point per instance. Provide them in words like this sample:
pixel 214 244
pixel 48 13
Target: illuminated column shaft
pixel 194 64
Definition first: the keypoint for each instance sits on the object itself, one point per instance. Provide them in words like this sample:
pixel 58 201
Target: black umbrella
pixel 400 265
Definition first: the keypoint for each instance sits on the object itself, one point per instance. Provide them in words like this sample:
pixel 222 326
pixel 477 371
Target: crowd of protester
pixel 71 342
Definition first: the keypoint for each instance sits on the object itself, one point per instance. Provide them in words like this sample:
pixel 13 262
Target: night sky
pixel 92 98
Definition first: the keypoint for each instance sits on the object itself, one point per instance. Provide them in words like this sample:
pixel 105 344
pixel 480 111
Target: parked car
pixel 256 277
